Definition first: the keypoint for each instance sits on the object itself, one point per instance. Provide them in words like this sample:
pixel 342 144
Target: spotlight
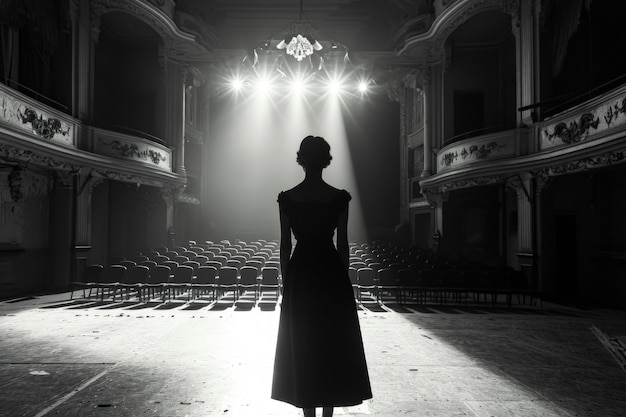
pixel 236 84
pixel 363 87
pixel 334 85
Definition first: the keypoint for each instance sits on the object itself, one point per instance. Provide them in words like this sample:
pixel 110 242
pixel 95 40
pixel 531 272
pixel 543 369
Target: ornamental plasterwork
pixel 431 48
pixel 581 127
pixel 473 182
pixel 40 123
pixel 585 164
pixel 468 153
pixel 132 178
pixel 473 8
pixel 178 44
pixel 132 148
pixel 22 155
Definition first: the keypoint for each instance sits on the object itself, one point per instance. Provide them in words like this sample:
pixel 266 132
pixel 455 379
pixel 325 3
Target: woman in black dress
pixel 320 361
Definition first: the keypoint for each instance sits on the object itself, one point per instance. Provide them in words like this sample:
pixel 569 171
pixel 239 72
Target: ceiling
pixel 361 25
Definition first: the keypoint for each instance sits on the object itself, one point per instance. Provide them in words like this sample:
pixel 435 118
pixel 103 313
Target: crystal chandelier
pixel 299 47
pixel 299 42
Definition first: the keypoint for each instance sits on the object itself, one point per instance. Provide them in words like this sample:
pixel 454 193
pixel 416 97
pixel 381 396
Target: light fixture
pixel 299 44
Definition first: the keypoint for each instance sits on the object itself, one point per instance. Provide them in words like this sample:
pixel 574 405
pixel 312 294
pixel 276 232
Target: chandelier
pixel 299 47
pixel 299 44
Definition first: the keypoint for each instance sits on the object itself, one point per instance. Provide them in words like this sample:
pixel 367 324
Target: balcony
pixel 479 150
pixel 34 122
pixel 33 133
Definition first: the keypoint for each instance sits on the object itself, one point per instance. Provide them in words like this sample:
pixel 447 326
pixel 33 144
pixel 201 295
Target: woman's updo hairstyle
pixel 314 153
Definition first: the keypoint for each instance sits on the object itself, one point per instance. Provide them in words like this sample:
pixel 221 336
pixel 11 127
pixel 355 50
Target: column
pixel 524 31
pixel 61 230
pixel 85 184
pixel 170 195
pixel 427 97
pixel 523 186
pixel 175 113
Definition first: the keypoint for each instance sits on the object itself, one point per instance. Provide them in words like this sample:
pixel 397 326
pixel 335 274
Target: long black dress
pixel 319 353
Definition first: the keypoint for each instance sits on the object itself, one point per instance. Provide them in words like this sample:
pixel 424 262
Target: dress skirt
pixel 320 359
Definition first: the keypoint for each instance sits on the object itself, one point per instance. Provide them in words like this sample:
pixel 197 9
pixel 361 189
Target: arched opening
pixel 480 77
pixel 128 77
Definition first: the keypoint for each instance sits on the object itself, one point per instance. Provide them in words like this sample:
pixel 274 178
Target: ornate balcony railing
pixel 596 119
pixel 505 144
pixel 133 148
pixel 35 119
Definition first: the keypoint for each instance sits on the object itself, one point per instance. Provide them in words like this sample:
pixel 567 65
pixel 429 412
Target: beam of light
pixel 253 158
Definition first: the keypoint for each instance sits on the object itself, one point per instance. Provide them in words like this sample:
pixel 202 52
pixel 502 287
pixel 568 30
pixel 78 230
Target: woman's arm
pixel 285 243
pixel 342 238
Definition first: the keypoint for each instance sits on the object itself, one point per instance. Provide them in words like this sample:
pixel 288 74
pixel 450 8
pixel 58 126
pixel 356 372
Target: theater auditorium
pixel 144 145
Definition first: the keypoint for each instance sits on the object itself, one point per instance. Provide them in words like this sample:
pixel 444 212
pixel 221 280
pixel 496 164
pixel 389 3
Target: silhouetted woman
pixel 319 360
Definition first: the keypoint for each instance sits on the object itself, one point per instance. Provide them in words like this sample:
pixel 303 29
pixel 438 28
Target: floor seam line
pixel 74 392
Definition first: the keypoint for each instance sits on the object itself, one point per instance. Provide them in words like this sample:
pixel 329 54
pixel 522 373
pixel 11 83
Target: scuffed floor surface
pixel 173 360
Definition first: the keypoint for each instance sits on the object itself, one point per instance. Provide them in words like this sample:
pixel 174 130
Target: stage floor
pixel 204 360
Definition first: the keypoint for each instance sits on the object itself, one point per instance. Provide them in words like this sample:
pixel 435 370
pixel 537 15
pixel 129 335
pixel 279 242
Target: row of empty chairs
pixel 404 274
pixel 381 272
pixel 209 269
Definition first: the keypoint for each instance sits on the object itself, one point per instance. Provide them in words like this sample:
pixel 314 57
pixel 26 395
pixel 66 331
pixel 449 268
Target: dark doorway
pixel 566 257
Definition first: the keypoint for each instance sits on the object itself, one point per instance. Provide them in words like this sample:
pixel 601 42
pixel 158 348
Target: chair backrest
pixel 180 259
pixel 269 275
pixel 172 264
pixel 248 275
pixel 170 254
pixel 255 264
pixel 358 264
pixel 149 264
pixel 206 275
pixel 138 274
pixel 227 275
pixel 215 264
pixel 201 259
pixel 159 259
pixel 92 273
pixel 197 250
pixel 140 258
pixel 234 263
pixel 272 264
pixel 365 277
pixel 127 263
pixel 182 274
pixel 221 259
pixel 388 277
pixel 193 264
pixel 113 273
pixel 160 274
pixel 152 254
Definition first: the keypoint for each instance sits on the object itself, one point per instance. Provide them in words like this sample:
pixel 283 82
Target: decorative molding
pixel 585 164
pixel 613 111
pixel 585 123
pixel 20 113
pixel 577 131
pixel 474 182
pixel 188 199
pixel 477 151
pixel 178 45
pixel 47 128
pixel 429 46
pixel 136 149
pixel 132 151
pixel 22 155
